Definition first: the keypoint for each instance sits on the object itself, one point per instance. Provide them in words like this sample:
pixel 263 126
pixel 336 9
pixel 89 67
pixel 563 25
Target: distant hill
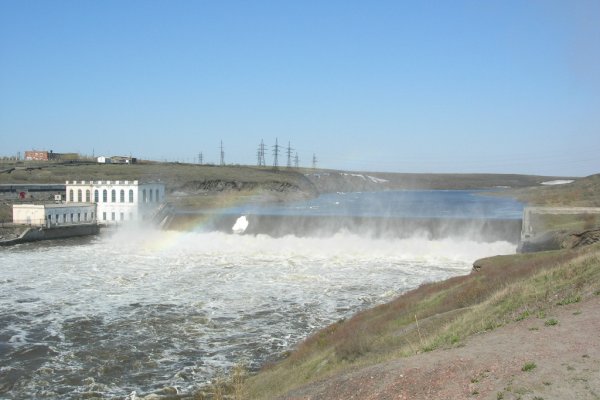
pixel 202 186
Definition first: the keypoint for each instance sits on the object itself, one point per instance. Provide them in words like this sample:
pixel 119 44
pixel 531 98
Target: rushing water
pixel 142 310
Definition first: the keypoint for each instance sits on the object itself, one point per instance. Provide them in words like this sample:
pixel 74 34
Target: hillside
pixel 518 294
pixel 584 192
pixel 193 186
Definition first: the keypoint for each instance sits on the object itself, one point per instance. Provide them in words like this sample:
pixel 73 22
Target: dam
pixel 428 213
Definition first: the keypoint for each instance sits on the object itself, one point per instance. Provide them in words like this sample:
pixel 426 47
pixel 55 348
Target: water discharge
pixel 143 310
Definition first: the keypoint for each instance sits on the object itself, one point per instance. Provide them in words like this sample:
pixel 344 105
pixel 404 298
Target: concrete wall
pixel 54 214
pixel 36 234
pixel 30 214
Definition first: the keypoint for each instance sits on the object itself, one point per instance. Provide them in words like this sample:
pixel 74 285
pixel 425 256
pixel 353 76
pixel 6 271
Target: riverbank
pixel 424 323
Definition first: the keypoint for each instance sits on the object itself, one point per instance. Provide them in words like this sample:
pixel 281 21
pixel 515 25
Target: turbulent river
pixel 141 310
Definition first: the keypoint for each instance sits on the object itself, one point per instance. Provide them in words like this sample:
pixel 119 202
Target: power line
pixel 260 156
pixel 222 154
pixel 289 155
pixel 276 155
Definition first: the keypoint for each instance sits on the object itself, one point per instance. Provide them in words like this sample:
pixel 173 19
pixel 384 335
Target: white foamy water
pixel 142 310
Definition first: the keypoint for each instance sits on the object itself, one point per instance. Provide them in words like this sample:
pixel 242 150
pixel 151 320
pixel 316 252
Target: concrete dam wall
pixel 485 230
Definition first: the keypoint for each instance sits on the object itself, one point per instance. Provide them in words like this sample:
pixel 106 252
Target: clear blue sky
pixel 422 86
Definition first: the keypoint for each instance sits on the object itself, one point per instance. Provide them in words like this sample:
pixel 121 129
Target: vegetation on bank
pixel 584 192
pixel 499 291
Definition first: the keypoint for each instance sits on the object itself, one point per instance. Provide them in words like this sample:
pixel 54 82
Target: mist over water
pixel 141 309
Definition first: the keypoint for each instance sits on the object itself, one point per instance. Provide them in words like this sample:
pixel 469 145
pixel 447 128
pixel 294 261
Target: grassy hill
pixel 584 192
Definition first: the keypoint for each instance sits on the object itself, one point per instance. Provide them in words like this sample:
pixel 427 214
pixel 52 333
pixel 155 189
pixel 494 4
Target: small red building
pixel 36 155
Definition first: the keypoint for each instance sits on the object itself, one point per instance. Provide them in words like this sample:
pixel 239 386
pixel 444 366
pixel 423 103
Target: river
pixel 140 310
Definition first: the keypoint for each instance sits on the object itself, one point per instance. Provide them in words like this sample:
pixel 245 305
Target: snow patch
pixel 354 175
pixel 377 180
pixel 558 182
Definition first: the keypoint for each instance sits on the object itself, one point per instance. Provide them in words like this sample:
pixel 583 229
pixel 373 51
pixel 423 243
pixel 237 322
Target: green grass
pixel 569 300
pixel 529 366
pixel 438 315
pixel 551 322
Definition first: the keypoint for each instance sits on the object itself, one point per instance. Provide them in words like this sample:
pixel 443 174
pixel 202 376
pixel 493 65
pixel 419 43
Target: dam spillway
pixel 478 229
pixel 429 214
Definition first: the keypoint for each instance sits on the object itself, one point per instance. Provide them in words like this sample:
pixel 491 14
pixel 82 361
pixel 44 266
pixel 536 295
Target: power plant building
pixel 118 201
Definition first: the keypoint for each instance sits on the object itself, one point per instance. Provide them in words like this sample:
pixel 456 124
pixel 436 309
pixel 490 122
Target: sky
pixel 400 86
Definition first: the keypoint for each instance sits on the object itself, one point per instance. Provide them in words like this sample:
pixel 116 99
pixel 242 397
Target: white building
pixel 118 201
pixel 54 214
pixel 104 160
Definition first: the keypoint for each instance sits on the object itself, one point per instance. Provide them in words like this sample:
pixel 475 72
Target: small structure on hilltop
pixel 44 155
pixel 103 160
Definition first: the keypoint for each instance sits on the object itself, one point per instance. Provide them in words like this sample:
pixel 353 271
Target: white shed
pixel 104 160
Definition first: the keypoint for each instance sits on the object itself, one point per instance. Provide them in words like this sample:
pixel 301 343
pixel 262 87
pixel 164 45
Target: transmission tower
pixel 289 155
pixel 276 155
pixel 296 160
pixel 314 162
pixel 200 158
pixel 260 155
pixel 222 154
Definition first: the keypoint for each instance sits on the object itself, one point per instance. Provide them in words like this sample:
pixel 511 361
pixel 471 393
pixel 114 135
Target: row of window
pixel 113 216
pixel 67 218
pixel 149 196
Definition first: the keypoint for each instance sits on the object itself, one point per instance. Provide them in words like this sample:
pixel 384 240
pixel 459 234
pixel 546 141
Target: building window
pixel 105 196
pixel 113 196
pixel 85 216
pixel 143 195
pixel 71 199
pixel 96 197
pixel 130 216
pixel 150 193
pixel 71 217
pixel 122 196
pixel 112 216
pixel 79 196
pixel 122 216
pixel 78 217
pixel 131 195
pixel 104 216
pixel 92 218
pixel 87 196
pixel 65 218
pixel 157 197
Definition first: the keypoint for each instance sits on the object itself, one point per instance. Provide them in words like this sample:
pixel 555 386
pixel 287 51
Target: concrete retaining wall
pixel 62 232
